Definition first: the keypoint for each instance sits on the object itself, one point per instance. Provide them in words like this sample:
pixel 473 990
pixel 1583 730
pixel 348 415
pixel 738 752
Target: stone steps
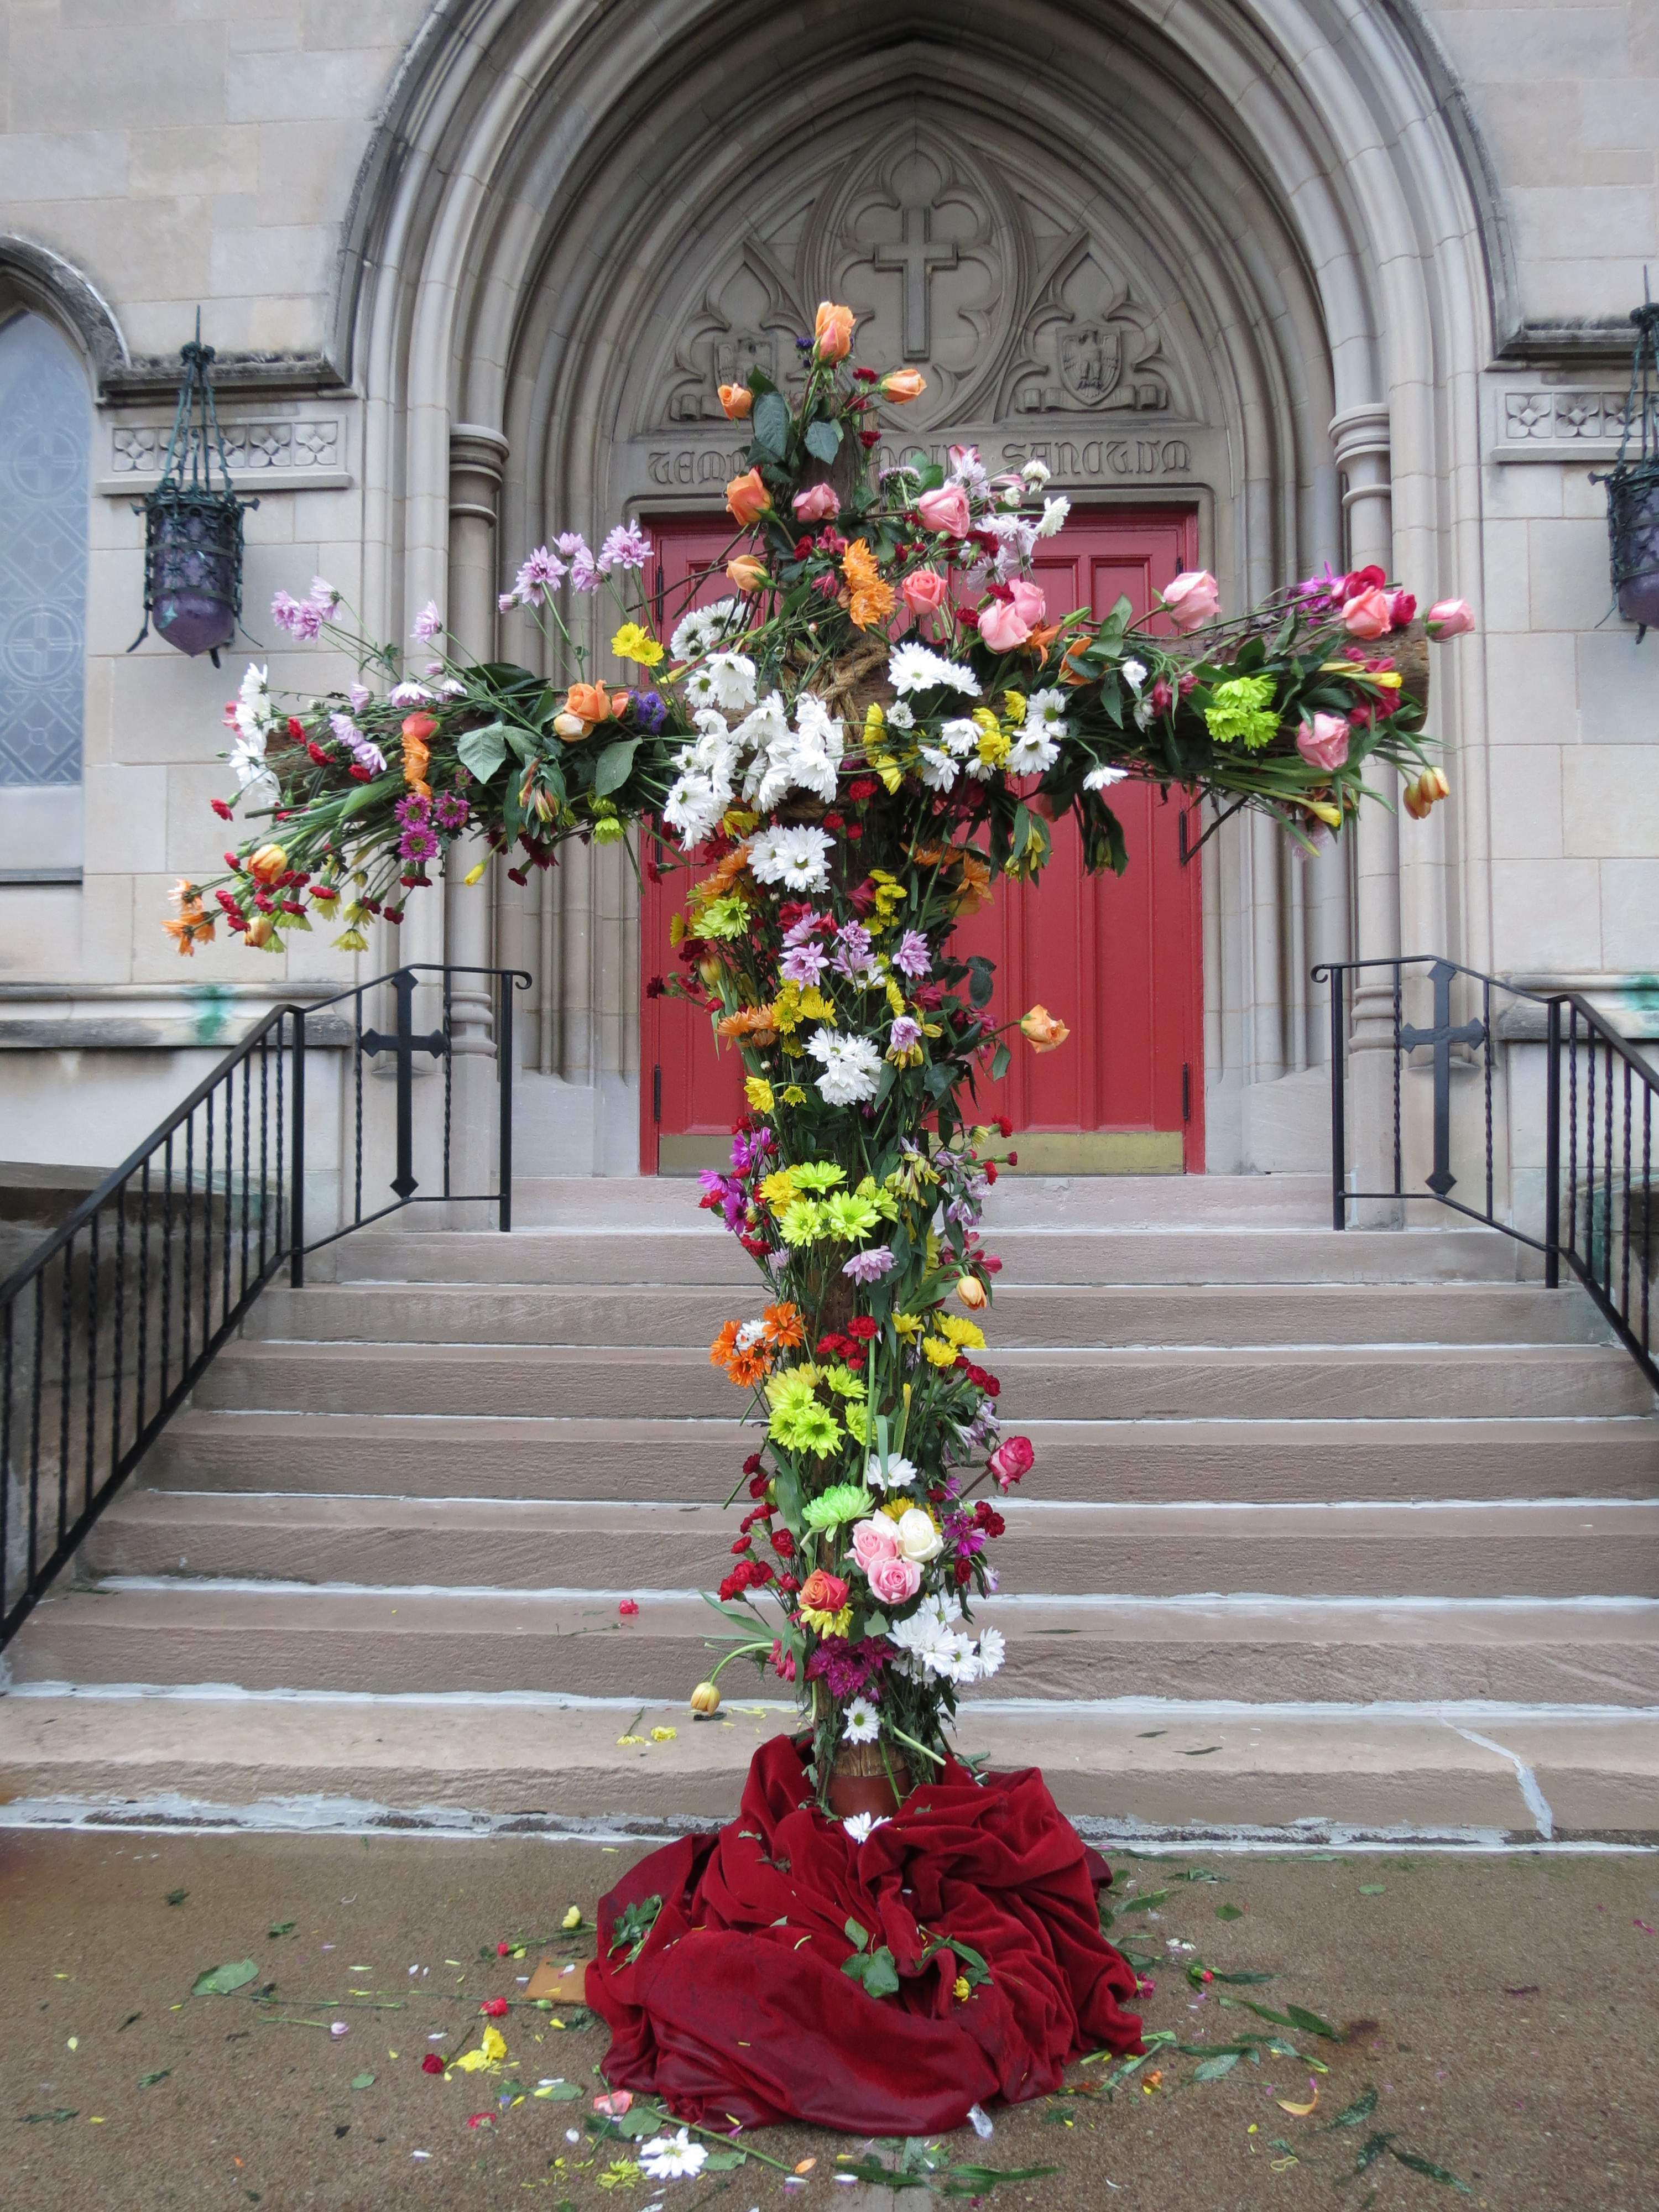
pixel 1554 1549
pixel 698 1461
pixel 1277 1468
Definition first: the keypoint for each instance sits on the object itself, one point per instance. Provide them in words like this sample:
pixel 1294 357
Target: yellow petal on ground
pixel 663 1735
pixel 494 2044
pixel 470 2062
pixel 1301 2111
pixel 807 2166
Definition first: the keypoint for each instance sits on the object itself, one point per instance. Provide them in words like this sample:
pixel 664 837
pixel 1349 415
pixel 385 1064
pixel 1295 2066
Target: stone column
pixel 1360 437
pixel 477 456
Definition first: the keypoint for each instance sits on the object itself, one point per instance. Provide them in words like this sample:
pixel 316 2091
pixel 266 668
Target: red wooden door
pixel 1118 958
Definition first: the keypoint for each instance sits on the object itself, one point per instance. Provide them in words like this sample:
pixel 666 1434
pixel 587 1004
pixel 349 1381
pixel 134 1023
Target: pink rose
pixel 1029 603
pixel 946 510
pixel 923 590
pixel 893 1581
pixel 1000 626
pixel 818 503
pixel 873 1540
pixel 1402 606
pixel 1192 600
pixel 1449 618
pixel 1324 742
pixel 1368 614
pixel 1012 1458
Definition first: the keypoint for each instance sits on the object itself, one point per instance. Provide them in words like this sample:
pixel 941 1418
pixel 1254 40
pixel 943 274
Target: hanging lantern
pixel 192 533
pixel 1633 484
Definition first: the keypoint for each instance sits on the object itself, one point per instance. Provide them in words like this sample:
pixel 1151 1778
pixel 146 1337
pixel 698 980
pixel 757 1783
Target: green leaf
pixel 280 1928
pixel 177 1896
pixel 1230 1912
pixel 483 750
pixel 61 2113
pixel 982 980
pixel 362 2080
pixel 1424 2166
pixel 559 2093
pixel 722 2161
pixel 1370 2151
pixel 149 2080
pixel 770 420
pixel 220 1981
pixel 1351 2115
pixel 1000 1060
pixel 1310 2023
pixel 614 766
pixel 1214 2068
pixel 857 1936
pixel 1373 1888
pixel 822 439
pixel 1147 1904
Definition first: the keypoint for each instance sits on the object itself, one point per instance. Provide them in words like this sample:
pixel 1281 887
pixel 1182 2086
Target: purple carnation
pixel 848 1669
pixel 871 1265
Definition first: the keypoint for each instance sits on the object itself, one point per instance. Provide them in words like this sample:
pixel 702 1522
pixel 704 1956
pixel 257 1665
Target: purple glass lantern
pixel 1633 484
pixel 192 533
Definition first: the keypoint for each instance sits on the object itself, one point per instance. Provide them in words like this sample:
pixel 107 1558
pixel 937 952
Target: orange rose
pixel 590 701
pixel 747 573
pixel 1042 1031
pixel 822 1592
pixel 901 385
pixel 833 332
pixel 737 399
pixel 267 864
pixel 748 497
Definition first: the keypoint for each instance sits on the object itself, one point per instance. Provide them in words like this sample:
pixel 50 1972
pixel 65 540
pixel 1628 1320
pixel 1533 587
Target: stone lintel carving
pixel 693 468
pixel 253 447
pixel 1086 348
pixel 1566 424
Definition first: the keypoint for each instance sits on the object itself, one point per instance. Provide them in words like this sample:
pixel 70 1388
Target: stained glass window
pixel 46 441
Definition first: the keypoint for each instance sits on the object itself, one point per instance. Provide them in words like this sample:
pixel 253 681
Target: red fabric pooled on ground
pixel 736 2008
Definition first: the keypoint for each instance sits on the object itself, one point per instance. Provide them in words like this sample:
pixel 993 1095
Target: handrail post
pixel 296 1208
pixel 1552 1148
pixel 504 1084
pixel 1339 1109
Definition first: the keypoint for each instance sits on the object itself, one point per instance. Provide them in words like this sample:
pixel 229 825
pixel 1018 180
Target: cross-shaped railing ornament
pixel 405 1044
pixel 1442 1037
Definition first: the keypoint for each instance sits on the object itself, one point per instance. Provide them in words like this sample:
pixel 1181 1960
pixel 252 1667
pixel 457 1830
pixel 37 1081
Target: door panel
pixel 1118 958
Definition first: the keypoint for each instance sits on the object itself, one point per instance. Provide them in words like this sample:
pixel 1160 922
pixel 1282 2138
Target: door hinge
pixel 656 1094
pixel 1186 1091
pixel 1180 836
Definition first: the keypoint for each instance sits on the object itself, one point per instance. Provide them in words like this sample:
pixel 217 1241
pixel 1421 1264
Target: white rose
pixel 918 1539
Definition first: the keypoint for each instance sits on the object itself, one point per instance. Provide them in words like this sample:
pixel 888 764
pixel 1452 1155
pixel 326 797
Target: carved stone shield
pixel 1091 363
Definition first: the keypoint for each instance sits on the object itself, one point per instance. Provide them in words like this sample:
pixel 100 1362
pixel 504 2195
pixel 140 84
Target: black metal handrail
pixel 109 1323
pixel 1604 1206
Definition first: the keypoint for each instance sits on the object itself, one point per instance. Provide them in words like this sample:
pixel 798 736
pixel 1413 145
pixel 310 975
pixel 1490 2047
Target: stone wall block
pixel 1547 915
pixel 1610 803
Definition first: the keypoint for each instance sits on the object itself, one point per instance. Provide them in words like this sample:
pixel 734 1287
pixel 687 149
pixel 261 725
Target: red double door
pixel 1118 958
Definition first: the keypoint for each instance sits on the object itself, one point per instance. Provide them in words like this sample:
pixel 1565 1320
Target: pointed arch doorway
pixel 1118 958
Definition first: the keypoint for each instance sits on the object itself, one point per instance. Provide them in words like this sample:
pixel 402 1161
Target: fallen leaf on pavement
pixel 220 1981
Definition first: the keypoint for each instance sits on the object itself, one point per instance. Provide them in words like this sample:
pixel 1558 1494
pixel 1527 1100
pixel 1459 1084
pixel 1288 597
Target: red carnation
pixel 496 2008
pixel 783 1543
pixel 432 2063
pixel 627 1608
pixel 862 1325
pixel 751 1465
pixel 220 809
pixel 742 1544
pixel 296 728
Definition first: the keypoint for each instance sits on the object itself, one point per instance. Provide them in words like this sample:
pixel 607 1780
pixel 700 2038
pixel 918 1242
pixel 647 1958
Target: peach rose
pixel 1000 626
pixel 747 573
pixel 923 590
pixel 1368 614
pixel 874 1539
pixel 1192 600
pixel 901 385
pixel 818 503
pixel 737 399
pixel 1324 743
pixel 822 1592
pixel 894 1580
pixel 590 701
pixel 748 497
pixel 1041 1031
pixel 1449 618
pixel 945 510
pixel 833 332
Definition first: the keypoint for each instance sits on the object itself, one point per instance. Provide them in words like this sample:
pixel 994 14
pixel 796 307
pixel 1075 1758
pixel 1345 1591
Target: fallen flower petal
pixel 616 2103
pixel 1301 2111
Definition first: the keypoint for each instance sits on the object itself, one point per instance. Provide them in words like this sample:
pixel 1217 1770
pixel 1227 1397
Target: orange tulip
pixel 590 701
pixel 748 497
pixel 746 572
pixel 833 332
pixel 1042 1031
pixel 267 864
pixel 418 732
pixel 971 1291
pixel 737 399
pixel 900 384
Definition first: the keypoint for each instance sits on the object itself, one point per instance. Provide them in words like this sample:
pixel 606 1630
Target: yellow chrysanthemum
pixel 633 643
pixel 939 1350
pixel 963 1331
pixel 758 1091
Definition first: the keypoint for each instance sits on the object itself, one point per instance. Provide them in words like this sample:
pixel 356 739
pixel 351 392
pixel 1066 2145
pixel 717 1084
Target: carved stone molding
pixel 252 448
pixel 1558 424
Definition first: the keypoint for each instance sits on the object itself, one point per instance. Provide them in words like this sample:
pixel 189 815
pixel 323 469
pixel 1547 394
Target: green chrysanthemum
pixel 724 917
pixel 1240 711
pixel 803 1221
pixel 850 1216
pixel 801 1425
pixel 843 1381
pixel 817 1174
pixel 845 1501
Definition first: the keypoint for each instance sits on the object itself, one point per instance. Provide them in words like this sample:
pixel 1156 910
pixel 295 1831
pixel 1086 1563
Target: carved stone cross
pixel 917 259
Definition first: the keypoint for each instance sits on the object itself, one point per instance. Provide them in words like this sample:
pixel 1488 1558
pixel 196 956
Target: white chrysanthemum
pixel 1032 752
pixel 901 716
pixel 734 678
pixel 960 736
pixel 704 627
pixel 852 1064
pixel 936 770
pixel 694 806
pixel 913 668
pixel 900 1473
pixel 797 858
pixel 928 1629
pixel 863 1722
pixel 1049 708
pixel 992 1649
pixel 672 2158
pixel 1133 673
pixel 1055 511
pixel 254 712
pixel 1037 474
pixel 860 1827
pixel 1102 779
